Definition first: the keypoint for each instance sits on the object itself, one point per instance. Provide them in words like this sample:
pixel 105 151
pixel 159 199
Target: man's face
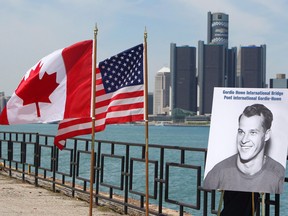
pixel 251 137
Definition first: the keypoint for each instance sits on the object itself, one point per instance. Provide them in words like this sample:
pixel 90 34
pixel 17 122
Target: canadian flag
pixel 55 88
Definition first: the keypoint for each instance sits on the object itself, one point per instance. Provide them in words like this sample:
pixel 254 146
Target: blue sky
pixel 32 29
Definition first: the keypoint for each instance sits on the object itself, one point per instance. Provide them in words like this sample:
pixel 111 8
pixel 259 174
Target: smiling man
pixel 250 169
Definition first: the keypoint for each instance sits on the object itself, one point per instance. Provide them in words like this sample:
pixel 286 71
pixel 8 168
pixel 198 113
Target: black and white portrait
pixel 247 146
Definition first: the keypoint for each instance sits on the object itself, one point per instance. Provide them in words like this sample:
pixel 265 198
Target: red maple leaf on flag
pixel 36 90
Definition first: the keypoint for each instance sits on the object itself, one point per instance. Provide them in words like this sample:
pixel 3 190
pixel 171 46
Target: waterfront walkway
pixel 20 198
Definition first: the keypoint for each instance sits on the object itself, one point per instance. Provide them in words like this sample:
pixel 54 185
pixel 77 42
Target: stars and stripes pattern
pixel 124 69
pixel 119 96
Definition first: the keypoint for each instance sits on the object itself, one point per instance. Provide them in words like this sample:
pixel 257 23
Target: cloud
pixel 275 7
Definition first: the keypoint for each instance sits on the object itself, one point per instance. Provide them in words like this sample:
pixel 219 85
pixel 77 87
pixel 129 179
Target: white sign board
pixel 244 154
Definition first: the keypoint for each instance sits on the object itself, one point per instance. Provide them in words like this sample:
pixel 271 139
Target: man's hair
pixel 259 109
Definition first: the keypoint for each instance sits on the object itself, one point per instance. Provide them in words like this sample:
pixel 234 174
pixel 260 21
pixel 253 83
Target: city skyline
pixel 33 29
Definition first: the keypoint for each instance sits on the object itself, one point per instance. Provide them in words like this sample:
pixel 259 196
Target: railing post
pixel 205 203
pixel 36 158
pixel 98 170
pixel 10 154
pixel 126 180
pixel 160 203
pixel 277 204
pixel 74 164
pixel 55 154
pixel 23 156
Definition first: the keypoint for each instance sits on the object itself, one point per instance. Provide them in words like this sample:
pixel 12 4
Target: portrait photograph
pixel 247 146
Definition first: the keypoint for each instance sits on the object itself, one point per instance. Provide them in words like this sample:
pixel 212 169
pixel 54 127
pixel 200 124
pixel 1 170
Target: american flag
pixel 119 95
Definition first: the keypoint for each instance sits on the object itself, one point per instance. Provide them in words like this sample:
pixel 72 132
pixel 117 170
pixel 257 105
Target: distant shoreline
pixel 188 124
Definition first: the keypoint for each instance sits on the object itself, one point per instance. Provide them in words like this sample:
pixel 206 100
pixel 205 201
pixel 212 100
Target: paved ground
pixel 18 198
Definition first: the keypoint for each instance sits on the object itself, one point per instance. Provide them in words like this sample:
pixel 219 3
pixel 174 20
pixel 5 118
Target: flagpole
pixel 93 100
pixel 146 120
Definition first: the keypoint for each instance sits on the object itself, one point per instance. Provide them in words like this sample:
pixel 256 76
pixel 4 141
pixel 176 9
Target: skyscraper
pixel 150 103
pixel 218 29
pixel 279 82
pixel 183 77
pixel 251 66
pixel 216 68
pixel 162 91
pixel 2 101
pixel 216 62
pixel 231 62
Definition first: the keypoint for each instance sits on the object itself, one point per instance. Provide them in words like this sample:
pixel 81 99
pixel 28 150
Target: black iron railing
pixel 175 173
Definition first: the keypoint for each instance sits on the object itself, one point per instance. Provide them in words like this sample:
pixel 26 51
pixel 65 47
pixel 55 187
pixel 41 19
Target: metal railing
pixel 175 173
